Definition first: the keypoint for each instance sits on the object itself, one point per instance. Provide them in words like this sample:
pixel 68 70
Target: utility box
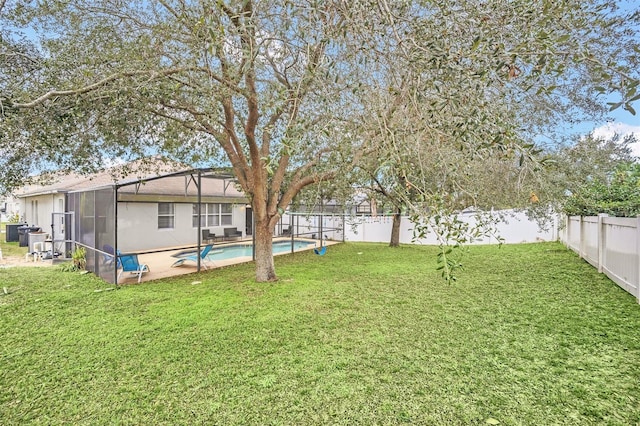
pixel 11 235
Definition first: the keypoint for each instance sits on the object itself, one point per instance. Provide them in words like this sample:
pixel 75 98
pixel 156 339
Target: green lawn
pixel 530 335
pixel 10 249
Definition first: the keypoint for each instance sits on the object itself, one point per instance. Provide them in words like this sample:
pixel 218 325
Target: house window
pixel 213 214
pixel 363 208
pixel 166 215
pixel 226 217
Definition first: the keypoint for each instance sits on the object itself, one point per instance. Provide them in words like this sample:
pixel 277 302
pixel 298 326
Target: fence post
pixel 581 239
pixel 638 258
pixel 601 240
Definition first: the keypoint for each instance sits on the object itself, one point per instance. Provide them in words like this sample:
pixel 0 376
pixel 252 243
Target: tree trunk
pixel 395 229
pixel 265 268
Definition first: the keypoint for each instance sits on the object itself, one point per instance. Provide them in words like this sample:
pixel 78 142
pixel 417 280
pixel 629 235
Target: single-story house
pixel 164 212
pixel 9 209
pixel 154 210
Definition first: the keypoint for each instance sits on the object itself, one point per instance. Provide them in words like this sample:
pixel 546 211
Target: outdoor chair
pixel 194 257
pixel 207 236
pixel 232 233
pixel 129 263
pixel 320 251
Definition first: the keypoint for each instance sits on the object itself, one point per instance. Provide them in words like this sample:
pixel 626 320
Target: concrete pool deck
pixel 160 262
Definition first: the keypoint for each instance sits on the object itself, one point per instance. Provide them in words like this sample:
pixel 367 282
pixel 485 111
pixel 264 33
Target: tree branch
pixel 97 85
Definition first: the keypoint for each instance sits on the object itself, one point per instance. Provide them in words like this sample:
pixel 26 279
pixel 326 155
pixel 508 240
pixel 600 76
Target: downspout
pixel 53 205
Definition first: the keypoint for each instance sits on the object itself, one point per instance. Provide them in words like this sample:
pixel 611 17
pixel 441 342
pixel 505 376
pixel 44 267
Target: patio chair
pixel 194 257
pixel 232 233
pixel 129 263
pixel 207 236
pixel 320 251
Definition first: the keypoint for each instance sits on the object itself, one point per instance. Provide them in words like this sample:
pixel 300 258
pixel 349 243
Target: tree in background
pixel 584 161
pixel 453 130
pixel 292 93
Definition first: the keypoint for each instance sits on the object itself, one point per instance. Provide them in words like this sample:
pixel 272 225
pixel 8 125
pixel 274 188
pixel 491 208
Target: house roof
pixel 185 183
pixel 160 178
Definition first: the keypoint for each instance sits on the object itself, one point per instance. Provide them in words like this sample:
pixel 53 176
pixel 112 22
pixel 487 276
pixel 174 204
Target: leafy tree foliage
pixel 616 195
pixel 455 125
pixel 585 160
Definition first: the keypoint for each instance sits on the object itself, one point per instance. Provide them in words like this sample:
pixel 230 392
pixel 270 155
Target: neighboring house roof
pixel 167 178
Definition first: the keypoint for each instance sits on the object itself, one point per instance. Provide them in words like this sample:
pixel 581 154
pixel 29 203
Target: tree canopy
pixel 585 159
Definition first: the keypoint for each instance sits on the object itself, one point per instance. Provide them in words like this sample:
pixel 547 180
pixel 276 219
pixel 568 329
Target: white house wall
pixel 11 207
pixel 37 210
pixel 138 226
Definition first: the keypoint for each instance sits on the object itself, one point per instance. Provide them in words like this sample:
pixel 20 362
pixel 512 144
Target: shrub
pixel 619 195
pixel 78 261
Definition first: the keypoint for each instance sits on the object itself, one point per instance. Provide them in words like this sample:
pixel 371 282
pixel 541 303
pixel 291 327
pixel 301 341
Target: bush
pixel 78 261
pixel 619 195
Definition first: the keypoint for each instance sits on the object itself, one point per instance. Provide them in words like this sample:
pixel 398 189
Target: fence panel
pixel 619 252
pixel 513 227
pixel 572 233
pixel 589 243
pixel 611 244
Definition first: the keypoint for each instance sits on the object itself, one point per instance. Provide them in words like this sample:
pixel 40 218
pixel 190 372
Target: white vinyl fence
pixel 611 244
pixel 514 228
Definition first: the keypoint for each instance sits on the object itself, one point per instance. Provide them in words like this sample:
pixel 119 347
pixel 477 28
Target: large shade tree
pixel 289 92
pixel 437 147
pixel 261 82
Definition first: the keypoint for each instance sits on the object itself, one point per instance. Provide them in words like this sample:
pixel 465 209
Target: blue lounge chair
pixel 129 263
pixel 320 251
pixel 194 257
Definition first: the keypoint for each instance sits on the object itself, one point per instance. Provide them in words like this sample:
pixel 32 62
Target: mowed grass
pixel 366 334
pixel 10 249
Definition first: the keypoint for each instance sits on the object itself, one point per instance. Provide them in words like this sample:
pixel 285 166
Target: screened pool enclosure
pixel 154 214
pixel 159 216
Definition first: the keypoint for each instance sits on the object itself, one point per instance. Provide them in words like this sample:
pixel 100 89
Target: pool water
pixel 242 250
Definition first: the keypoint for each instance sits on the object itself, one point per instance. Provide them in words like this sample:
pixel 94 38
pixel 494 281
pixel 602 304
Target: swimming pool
pixel 232 251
